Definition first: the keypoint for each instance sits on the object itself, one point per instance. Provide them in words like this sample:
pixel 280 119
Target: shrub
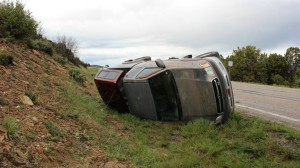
pixel 3 101
pixel 41 45
pixel 16 22
pixel 61 60
pixel 6 59
pixel 297 82
pixel 10 123
pixel 278 79
pixel 77 75
pixel 33 97
pixel 67 48
pixel 53 129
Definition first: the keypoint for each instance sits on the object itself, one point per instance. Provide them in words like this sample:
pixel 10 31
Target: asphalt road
pixel 270 102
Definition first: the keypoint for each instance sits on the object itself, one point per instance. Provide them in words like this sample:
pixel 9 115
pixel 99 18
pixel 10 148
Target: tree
pixel 68 42
pixel 292 57
pixel 16 22
pixel 245 64
pixel 67 48
pixel 261 71
pixel 276 65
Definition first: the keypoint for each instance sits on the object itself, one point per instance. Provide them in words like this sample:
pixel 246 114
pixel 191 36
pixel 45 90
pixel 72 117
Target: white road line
pixel 269 113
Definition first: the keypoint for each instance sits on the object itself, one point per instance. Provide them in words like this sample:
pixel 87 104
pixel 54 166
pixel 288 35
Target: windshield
pixel 164 95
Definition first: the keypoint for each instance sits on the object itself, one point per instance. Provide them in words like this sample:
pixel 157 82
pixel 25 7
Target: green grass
pixel 12 126
pixel 79 104
pixel 242 142
pixel 77 75
pixel 54 130
pixel 6 59
pixel 91 72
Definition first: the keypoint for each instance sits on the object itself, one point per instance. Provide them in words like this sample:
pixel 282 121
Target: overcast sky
pixel 111 31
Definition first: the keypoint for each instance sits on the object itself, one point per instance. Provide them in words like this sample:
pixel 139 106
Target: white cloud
pixel 119 29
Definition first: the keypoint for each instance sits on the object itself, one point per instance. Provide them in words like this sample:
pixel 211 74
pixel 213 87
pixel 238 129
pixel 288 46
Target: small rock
pixel 26 82
pixel 26 100
pixel 34 119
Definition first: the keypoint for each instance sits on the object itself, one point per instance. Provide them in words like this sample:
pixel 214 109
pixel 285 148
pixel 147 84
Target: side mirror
pixel 160 63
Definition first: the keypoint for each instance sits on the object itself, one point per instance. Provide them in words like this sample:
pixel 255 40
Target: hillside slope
pixel 47 133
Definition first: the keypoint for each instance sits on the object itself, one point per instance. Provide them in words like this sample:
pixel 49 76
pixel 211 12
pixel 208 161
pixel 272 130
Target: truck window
pixel 111 75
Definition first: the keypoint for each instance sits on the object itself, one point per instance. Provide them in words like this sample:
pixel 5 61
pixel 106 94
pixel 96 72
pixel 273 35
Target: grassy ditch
pixel 242 142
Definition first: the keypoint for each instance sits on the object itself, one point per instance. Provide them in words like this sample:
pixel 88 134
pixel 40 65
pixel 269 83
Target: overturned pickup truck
pixel 174 89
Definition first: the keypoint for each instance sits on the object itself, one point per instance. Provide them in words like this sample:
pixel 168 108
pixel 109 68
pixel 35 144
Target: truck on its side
pixel 176 89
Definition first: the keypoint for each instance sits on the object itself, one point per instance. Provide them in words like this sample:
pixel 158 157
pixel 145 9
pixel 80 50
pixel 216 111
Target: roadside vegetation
pixel 251 65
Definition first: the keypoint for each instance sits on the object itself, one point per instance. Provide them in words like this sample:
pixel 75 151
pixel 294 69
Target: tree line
pixel 252 65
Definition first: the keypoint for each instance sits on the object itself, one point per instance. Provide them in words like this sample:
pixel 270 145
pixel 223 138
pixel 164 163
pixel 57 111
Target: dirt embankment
pixel 33 143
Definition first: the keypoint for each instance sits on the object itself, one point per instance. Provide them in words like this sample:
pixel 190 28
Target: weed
pixel 29 134
pixel 74 114
pixel 53 129
pixel 45 81
pixel 48 149
pixel 60 60
pixel 77 76
pixel 6 59
pixel 46 66
pixel 32 96
pixel 10 123
pixel 91 72
pixel 79 104
pixel 3 101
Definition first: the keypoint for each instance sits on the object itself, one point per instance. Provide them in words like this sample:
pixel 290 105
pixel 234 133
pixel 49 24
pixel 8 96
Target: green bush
pixel 33 97
pixel 77 75
pixel 16 22
pixel 278 79
pixel 10 123
pixel 61 60
pixel 3 101
pixel 6 59
pixel 53 129
pixel 41 45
